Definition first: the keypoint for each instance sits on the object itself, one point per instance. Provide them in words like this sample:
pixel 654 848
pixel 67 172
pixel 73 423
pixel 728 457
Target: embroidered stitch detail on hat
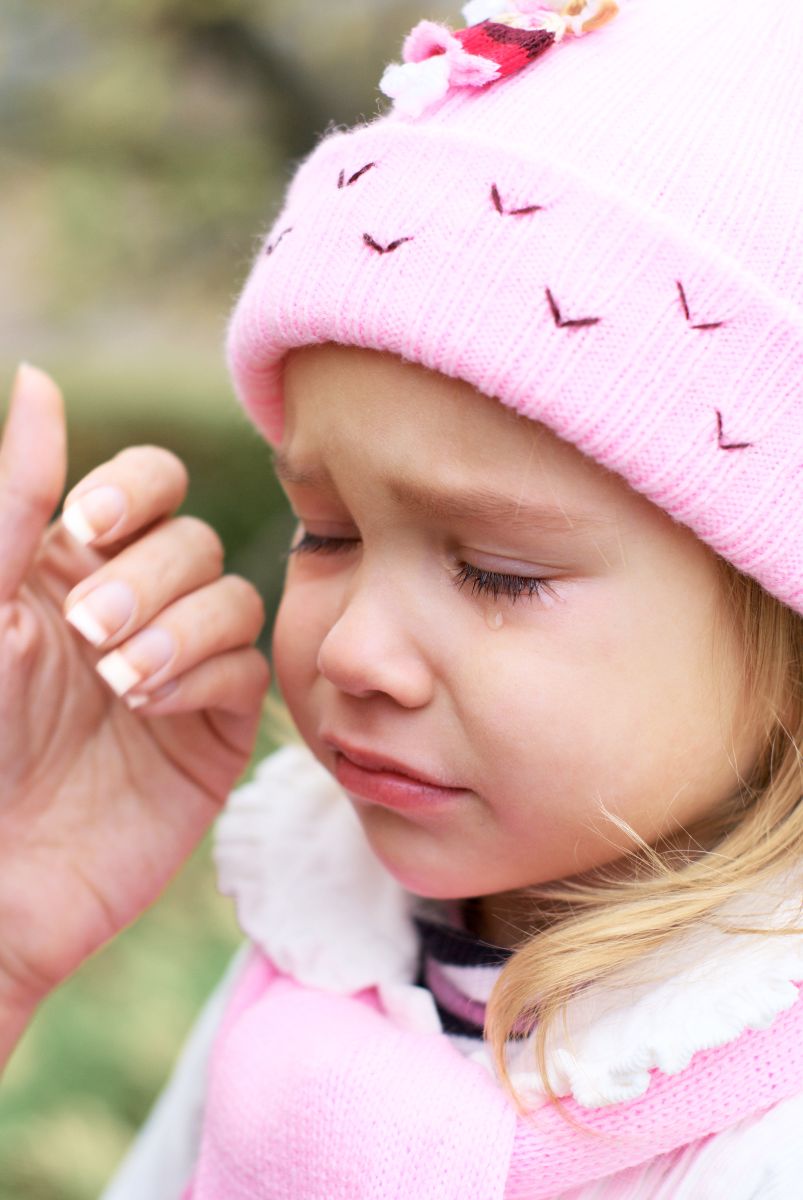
pixel 343 182
pixel 271 246
pixel 501 37
pixel 512 212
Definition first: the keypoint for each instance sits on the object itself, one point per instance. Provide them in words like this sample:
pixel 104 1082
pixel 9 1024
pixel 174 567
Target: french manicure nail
pixel 141 657
pixel 136 700
pixel 19 375
pixel 102 611
pixel 24 374
pixel 94 513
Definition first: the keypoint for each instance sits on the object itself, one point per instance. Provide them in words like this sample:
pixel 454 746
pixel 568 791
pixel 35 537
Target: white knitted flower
pixel 556 16
pixel 434 60
pixel 591 15
pixel 414 86
pixel 537 19
pixel 484 10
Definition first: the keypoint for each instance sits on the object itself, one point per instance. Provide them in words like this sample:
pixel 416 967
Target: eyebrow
pixel 481 504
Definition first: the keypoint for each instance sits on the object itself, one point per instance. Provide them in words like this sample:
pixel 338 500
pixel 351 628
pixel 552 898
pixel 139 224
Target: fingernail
pixel 94 513
pixel 102 612
pixel 138 699
pixel 19 376
pixel 23 373
pixel 142 657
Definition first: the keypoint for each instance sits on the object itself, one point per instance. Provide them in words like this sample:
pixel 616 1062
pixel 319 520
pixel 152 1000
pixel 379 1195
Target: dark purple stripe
pixel 457 947
pixel 451 998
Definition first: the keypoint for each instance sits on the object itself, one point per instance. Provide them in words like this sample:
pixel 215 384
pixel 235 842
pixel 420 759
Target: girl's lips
pixel 376 762
pixel 390 788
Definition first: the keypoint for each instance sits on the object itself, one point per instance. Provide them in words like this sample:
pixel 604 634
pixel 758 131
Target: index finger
pixel 33 469
pixel 122 497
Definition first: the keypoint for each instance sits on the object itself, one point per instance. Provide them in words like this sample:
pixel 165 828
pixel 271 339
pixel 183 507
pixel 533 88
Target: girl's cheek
pixel 289 641
pixel 301 624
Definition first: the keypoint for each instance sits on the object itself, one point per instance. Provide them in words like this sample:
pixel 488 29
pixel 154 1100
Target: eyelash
pixel 483 582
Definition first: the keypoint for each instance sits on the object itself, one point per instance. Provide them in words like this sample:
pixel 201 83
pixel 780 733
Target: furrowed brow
pixel 478 504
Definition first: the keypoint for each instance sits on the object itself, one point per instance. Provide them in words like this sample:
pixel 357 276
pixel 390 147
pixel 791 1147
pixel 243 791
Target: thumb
pixel 33 469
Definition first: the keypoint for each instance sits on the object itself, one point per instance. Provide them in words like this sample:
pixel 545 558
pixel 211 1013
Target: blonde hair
pixel 593 929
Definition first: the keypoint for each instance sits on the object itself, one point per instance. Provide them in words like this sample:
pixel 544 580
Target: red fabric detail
pixel 511 49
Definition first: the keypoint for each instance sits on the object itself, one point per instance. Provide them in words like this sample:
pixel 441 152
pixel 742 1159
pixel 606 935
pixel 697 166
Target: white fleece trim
pixel 310 892
pixel 307 887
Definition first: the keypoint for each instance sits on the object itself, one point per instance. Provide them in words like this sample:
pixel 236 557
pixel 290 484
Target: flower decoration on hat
pixel 501 37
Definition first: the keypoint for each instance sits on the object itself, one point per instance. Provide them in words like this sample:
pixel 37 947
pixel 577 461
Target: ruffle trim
pixel 312 895
pixel 308 889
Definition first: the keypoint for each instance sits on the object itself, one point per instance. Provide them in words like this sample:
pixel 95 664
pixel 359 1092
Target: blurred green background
pixel 144 149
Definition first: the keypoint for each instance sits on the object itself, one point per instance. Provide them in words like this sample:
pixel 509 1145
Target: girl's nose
pixel 370 650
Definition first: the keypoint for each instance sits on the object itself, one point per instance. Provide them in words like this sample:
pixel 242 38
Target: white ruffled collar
pixel 328 913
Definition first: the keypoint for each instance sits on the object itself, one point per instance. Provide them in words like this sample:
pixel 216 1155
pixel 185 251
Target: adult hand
pixel 130 693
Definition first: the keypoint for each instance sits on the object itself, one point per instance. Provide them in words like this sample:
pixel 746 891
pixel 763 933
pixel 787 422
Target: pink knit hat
pixel 609 240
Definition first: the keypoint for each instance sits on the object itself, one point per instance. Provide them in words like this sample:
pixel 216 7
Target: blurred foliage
pixel 144 148
pixel 145 143
pixel 84 1077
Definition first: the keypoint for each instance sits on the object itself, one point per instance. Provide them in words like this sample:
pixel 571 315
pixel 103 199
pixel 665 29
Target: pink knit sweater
pixel 319 1096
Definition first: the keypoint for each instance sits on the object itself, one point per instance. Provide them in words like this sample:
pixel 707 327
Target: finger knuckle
pixel 38 498
pixel 20 637
pixel 261 672
pixel 249 598
pixel 256 670
pixel 206 541
pixel 155 458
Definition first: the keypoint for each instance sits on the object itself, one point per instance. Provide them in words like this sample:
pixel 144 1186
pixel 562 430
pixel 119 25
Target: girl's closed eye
pixel 312 543
pixel 483 581
pixel 496 583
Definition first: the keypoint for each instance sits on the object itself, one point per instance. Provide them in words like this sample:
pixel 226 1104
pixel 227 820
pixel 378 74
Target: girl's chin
pixel 412 871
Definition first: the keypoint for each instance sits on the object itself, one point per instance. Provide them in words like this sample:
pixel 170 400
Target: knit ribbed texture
pixel 719 1088
pixel 320 1096
pixel 312 1098
pixel 648 307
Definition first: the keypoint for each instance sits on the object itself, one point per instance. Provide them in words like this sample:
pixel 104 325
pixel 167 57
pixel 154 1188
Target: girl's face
pixel 600 689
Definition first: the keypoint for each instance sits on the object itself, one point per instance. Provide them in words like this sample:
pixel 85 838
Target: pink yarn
pixel 430 38
pixel 608 241
pixel 320 1095
pixel 311 1095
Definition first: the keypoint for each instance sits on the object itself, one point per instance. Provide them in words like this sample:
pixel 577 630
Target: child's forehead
pixel 352 395
pixel 438 443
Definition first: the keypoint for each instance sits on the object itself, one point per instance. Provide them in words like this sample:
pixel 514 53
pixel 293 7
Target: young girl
pixel 523 903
